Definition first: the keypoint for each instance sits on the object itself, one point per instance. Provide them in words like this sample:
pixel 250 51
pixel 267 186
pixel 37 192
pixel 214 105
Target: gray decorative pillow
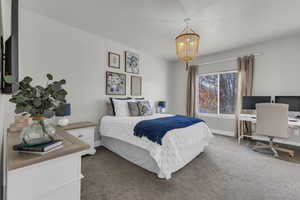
pixel 133 109
pixel 144 108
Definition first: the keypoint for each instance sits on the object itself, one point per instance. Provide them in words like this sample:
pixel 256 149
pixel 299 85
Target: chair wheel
pixel 291 155
pixel 276 156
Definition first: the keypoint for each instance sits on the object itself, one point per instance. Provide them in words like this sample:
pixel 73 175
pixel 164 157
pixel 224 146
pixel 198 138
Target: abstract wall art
pixel 136 86
pixel 115 83
pixel 132 62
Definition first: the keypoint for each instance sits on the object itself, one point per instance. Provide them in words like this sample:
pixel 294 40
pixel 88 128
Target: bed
pixel 179 146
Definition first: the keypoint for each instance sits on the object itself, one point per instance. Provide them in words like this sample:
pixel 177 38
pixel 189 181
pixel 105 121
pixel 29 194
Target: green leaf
pixel 60 97
pixel 37 102
pixel 20 99
pixel 19 109
pixel 56 86
pixel 38 87
pixel 50 77
pixel 34 91
pixel 13 100
pixel 34 111
pixel 27 80
pixel 28 109
pixel 63 81
pixel 62 92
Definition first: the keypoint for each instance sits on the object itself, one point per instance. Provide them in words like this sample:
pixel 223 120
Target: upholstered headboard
pixel 109 108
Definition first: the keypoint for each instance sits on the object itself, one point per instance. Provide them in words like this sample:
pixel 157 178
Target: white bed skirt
pixel 137 155
pixel 132 153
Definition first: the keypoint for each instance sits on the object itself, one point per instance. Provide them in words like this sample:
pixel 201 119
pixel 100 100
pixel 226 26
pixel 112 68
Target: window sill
pixel 225 116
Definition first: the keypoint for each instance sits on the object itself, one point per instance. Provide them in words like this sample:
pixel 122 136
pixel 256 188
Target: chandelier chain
pixel 186 21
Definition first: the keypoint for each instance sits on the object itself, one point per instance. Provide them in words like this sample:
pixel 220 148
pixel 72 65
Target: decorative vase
pixel 37 132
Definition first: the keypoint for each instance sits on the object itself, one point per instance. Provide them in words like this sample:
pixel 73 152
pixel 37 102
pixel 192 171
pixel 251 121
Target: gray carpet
pixel 226 171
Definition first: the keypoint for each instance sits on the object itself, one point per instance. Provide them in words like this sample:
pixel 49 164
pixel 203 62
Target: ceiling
pixel 151 25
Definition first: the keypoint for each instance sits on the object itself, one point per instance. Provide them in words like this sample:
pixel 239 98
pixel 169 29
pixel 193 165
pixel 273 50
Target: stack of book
pixel 40 149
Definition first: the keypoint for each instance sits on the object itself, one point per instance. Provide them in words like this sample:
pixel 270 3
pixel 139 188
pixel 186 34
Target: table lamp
pixel 65 110
pixel 162 106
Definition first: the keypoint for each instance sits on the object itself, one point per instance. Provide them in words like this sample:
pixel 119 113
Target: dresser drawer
pixel 37 181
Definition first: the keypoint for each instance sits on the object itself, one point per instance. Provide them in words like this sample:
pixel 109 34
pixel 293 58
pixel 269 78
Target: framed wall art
pixel 115 83
pixel 132 62
pixel 114 60
pixel 136 85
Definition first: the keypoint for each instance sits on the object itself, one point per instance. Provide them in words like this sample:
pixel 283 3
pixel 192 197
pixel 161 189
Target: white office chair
pixel 272 121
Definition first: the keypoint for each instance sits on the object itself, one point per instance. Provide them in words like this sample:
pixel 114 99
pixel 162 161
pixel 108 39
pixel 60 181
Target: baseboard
pixel 97 143
pixel 222 132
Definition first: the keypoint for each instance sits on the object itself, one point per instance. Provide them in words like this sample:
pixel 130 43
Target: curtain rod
pixel 229 59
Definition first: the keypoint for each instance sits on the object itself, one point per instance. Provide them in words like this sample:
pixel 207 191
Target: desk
pixel 293 122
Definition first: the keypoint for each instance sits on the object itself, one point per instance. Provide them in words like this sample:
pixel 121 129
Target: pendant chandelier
pixel 187 44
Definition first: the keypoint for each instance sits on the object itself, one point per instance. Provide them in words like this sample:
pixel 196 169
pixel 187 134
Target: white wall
pixel 6 17
pixel 48 46
pixel 276 73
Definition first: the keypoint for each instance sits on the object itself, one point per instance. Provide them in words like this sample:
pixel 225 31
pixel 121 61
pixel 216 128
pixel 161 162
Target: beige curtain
pixel 191 91
pixel 245 85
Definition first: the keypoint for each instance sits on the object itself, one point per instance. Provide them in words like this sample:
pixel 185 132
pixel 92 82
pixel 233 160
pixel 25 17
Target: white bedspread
pixel 179 146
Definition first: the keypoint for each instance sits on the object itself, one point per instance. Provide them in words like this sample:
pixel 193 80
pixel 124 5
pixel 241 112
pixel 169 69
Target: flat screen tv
pixel 2 52
pixel 10 58
pixel 2 146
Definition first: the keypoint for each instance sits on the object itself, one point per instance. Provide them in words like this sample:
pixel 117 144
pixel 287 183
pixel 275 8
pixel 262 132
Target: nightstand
pixel 84 131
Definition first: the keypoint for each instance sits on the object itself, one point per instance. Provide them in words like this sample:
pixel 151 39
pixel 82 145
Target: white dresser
pixel 53 176
pixel 85 131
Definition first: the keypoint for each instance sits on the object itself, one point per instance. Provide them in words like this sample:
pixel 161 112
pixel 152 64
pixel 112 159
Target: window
pixel 217 93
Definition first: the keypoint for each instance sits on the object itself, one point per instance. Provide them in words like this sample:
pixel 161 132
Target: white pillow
pixel 121 107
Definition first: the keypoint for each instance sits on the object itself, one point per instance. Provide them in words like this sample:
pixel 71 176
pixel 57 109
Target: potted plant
pixel 39 103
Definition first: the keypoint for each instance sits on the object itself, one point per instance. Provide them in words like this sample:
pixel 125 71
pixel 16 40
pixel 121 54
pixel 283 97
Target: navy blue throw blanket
pixel 155 129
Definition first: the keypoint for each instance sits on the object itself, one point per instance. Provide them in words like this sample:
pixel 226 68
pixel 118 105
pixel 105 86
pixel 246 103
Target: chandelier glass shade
pixel 187 44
